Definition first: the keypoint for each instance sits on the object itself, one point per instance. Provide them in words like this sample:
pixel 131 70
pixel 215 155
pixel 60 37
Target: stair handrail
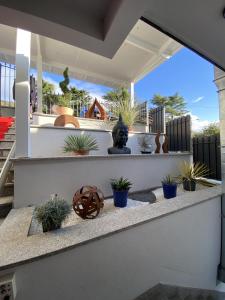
pixel 6 167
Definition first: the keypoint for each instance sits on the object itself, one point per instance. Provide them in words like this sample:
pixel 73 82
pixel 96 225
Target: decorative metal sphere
pixel 88 201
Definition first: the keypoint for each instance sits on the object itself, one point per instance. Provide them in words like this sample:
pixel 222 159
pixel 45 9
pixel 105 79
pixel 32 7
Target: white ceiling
pixel 143 50
pixel 101 26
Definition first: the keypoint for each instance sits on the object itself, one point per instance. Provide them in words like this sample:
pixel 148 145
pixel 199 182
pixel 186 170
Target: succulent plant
pixel 80 144
pixel 121 184
pixel 52 213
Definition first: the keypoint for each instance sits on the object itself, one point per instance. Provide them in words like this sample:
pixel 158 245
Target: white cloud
pixel 54 82
pixel 198 99
pixel 198 124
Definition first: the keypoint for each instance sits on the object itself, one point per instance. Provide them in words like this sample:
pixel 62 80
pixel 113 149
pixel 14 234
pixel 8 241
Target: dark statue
pixel 120 138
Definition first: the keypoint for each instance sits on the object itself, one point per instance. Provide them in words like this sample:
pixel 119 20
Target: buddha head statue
pixel 120 134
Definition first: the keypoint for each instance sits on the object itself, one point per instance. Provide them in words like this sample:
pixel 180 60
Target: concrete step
pixel 2 161
pixel 8 189
pixel 6 204
pixel 9 136
pixel 10 176
pixel 12 130
pixel 4 151
pixel 7 144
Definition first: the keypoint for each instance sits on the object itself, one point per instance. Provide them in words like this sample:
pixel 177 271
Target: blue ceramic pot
pixel 169 190
pixel 120 198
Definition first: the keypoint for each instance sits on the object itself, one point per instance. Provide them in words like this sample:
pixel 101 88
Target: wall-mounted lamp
pixel 224 12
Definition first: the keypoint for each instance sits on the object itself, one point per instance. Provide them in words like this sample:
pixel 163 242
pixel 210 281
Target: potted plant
pixel 120 189
pixel 169 187
pixel 192 173
pixel 128 112
pixel 144 142
pixel 63 105
pixel 80 144
pixel 52 213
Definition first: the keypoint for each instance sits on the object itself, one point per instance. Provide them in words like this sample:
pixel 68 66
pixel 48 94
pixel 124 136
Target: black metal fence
pixel 7 78
pixel 207 150
pixel 179 134
pixel 157 120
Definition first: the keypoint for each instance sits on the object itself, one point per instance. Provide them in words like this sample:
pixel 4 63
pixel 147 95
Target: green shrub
pixel 52 213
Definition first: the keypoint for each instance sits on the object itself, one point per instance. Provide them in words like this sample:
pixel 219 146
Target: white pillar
pixel 132 93
pixel 220 83
pixel 22 93
pixel 39 76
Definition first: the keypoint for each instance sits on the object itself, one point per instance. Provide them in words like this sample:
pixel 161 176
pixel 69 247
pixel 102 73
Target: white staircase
pixel 6 173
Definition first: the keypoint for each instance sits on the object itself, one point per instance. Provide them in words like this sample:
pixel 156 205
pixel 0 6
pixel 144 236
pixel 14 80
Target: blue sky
pixel 186 73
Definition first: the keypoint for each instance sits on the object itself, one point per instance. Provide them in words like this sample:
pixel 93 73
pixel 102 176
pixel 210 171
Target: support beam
pixel 22 93
pixel 39 75
pixel 132 93
pixel 220 83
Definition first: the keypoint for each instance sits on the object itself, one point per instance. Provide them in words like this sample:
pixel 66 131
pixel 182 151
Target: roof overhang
pixel 144 49
pixel 101 26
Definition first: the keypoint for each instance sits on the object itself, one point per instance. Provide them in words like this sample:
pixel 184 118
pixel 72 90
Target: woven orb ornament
pixel 88 201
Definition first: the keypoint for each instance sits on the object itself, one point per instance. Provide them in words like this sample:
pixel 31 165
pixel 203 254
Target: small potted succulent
pixel 52 213
pixel 120 189
pixel 80 144
pixel 144 142
pixel 169 187
pixel 192 173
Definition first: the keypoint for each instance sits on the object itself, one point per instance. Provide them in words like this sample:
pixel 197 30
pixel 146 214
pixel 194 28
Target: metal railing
pixel 6 167
pixel 7 79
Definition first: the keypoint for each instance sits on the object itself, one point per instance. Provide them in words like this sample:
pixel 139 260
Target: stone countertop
pixel 21 248
pixel 111 156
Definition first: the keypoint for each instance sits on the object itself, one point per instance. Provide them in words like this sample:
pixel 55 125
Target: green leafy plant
pixel 52 213
pixel 169 180
pixel 64 100
pixel 80 144
pixel 194 172
pixel 128 112
pixel 121 184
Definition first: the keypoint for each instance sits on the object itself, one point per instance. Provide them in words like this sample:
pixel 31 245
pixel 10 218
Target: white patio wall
pixel 48 120
pixel 37 179
pixel 182 248
pixel 49 141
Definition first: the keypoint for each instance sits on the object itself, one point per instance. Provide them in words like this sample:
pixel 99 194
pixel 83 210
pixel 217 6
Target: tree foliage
pixel 117 96
pixel 175 105
pixel 211 129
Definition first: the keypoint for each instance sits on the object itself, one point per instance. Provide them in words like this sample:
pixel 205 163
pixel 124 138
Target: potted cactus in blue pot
pixel 120 189
pixel 169 187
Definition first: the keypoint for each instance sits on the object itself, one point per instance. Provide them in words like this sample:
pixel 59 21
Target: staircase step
pixel 8 190
pixel 6 203
pixel 5 143
pixel 4 151
pixel 12 130
pixel 2 161
pixel 9 136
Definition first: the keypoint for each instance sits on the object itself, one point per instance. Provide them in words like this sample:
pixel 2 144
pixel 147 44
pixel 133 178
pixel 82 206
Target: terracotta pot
pixel 62 110
pixel 81 152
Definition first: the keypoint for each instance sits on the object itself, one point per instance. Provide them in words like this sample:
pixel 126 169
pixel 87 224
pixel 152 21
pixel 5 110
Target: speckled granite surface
pixel 20 248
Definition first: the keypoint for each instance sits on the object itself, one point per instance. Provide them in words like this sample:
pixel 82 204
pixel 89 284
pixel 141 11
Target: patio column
pixel 220 83
pixel 132 93
pixel 39 76
pixel 22 93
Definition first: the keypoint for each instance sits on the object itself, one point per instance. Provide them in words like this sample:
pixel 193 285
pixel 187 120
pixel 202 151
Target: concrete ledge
pixel 21 249
pixel 93 157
